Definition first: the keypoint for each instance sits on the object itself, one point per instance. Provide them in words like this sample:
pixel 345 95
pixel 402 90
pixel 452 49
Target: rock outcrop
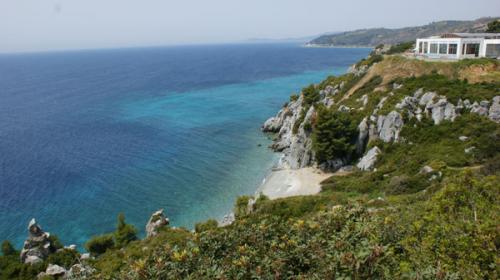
pixel 494 112
pixel 389 127
pixel 368 161
pixel 157 221
pixel 295 145
pixel 38 246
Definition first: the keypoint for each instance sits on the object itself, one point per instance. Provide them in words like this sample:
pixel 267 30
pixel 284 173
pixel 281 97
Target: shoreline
pixel 286 182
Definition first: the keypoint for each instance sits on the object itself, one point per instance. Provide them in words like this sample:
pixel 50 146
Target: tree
pixel 125 233
pixel 494 26
pixel 8 249
pixel 334 135
pixel 97 245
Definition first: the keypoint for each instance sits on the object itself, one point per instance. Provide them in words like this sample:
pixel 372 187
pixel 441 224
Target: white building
pixel 459 46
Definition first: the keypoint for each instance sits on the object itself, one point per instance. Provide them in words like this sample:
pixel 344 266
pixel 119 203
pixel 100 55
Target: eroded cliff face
pixel 383 111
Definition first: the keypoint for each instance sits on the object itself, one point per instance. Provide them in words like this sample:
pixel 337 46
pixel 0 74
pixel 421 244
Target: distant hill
pixel 375 36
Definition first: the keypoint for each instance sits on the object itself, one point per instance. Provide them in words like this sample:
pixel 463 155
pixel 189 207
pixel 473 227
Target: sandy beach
pixel 288 182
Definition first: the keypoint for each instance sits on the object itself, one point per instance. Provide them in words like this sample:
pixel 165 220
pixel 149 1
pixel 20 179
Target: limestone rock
pixel 55 270
pixel 367 162
pixel 479 109
pixel 469 150
pixel 427 98
pixel 463 138
pixel 389 127
pixel 227 220
pixel 494 112
pixel 80 271
pixel 362 136
pixel 332 165
pixel 157 221
pixel 343 108
pixel 426 170
pixel 37 246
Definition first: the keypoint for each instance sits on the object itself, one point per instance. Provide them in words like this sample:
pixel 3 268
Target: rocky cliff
pixel 384 100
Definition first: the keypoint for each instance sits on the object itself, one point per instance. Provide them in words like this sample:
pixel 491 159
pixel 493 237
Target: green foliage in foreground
pixel 448 233
pixel 124 234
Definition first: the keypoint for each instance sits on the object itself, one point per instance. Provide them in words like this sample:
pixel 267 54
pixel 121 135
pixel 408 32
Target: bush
pixel 98 245
pixel 400 48
pixel 125 233
pixel 8 249
pixel 210 224
pixel 65 258
pixel 494 27
pixel 241 206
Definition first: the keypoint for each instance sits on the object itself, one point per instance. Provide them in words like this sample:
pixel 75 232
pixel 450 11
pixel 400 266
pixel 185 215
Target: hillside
pixel 413 148
pixel 375 36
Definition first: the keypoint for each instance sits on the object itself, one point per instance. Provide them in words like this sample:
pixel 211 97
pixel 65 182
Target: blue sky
pixel 39 25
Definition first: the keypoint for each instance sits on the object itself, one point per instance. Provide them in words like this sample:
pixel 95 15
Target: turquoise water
pixel 87 135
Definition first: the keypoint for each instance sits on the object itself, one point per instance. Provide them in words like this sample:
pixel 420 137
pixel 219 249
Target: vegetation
pixel 98 245
pixel 375 36
pixel 334 135
pixel 494 27
pixel 401 47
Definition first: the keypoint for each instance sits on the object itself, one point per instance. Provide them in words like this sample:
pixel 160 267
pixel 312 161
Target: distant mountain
pixel 375 36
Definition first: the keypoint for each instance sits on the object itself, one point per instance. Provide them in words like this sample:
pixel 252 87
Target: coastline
pixel 293 182
pixel 286 182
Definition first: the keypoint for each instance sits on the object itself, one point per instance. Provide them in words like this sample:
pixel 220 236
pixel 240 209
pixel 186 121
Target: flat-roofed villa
pixel 459 46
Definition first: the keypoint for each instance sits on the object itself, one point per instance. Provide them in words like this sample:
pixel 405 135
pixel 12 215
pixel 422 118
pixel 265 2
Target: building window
pixel 420 47
pixel 452 48
pixel 426 47
pixel 443 48
pixel 434 48
pixel 463 49
pixel 472 49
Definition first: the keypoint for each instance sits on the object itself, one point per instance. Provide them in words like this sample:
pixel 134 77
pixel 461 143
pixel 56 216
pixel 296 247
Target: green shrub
pixel 98 245
pixel 125 233
pixel 8 249
pixel 64 257
pixel 210 224
pixel 400 48
pixel 494 26
pixel 241 206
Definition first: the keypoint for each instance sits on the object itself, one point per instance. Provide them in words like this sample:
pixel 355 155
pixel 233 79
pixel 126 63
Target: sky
pixel 41 25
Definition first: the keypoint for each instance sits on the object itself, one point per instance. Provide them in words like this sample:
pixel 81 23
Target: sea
pixel 86 135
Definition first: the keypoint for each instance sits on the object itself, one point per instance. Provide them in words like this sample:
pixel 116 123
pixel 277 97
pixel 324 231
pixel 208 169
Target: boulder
pixel 37 246
pixel 494 112
pixel 157 221
pixel 332 165
pixel 427 98
pixel 80 271
pixel 55 271
pixel 362 136
pixel 479 109
pixel 367 162
pixel 343 108
pixel 227 220
pixel 389 127
pixel 469 150
pixel 463 138
pixel 426 170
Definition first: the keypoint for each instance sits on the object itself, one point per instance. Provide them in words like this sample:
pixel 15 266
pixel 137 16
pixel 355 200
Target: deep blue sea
pixel 85 135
